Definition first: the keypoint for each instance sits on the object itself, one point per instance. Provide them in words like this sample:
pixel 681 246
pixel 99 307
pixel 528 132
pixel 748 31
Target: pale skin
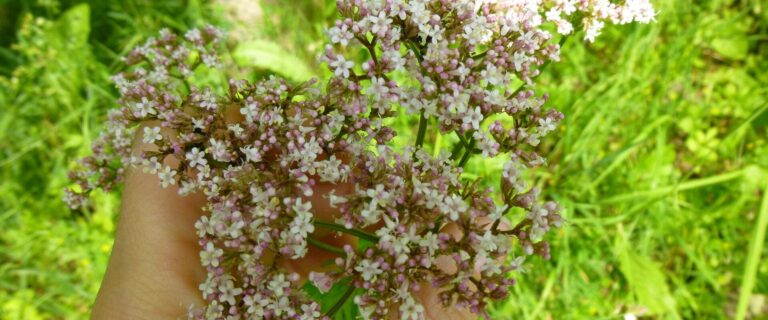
pixel 154 270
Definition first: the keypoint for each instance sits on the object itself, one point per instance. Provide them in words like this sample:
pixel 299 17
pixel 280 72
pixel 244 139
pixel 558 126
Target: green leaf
pixel 753 258
pixel 646 279
pixel 74 26
pixel 270 56
pixel 735 48
pixel 328 299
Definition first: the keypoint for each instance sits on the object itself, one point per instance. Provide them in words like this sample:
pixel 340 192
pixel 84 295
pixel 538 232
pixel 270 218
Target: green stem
pixel 438 224
pixel 341 301
pixel 455 152
pixel 467 153
pixel 422 130
pixel 463 140
pixel 326 247
pixel 354 232
pixel 459 146
pixel 753 258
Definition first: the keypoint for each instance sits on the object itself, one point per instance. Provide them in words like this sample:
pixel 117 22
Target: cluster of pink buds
pixel 284 166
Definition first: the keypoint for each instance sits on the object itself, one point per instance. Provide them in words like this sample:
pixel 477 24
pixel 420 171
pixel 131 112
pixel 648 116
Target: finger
pixel 153 270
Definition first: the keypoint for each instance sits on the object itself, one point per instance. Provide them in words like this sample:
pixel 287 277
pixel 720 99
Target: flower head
pixel 449 65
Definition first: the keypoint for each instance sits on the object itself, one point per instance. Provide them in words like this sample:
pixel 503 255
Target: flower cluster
pixel 283 165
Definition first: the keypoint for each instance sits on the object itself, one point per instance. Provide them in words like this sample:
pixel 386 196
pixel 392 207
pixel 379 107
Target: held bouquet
pixel 286 166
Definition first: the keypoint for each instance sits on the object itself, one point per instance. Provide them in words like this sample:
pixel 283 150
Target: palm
pixel 154 269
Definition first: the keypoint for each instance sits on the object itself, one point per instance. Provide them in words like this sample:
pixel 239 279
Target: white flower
pixel 204 226
pixel 212 61
pixel 321 280
pixel 493 75
pixel 411 310
pixel 473 117
pixel 477 31
pixel 340 35
pixel 214 311
pixel 236 129
pixel 299 250
pixel 402 292
pixel 341 66
pixel 167 176
pixel 235 229
pixel 251 154
pixel 630 316
pixel 302 224
pixel 198 123
pixel 378 89
pixel 152 134
pixel 563 26
pixel 328 170
pixel 210 255
pixel 196 158
pixel 429 241
pixel 369 269
pixel 208 99
pixel 218 150
pixel 310 311
pixel 593 28
pixel 487 145
pixel 151 165
pixel 187 187
pixel 250 111
pixel 145 107
pixel 415 105
pixel 282 305
pixel 519 59
pixel 498 212
pixel 453 207
pixel 278 284
pixel 396 61
pixel 568 6
pixel 300 207
pixel 254 305
pixel 207 287
pixel 366 311
pixel 462 71
pixel 517 264
pixel 638 10
pixel 380 24
pixel 546 125
pixel 336 200
pixel 400 246
pixel 229 292
pixel 194 35
pixel 488 242
pixel 378 195
pixel 432 197
pixel 370 213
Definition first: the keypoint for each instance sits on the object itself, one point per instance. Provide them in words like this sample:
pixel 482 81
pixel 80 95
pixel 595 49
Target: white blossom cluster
pixel 299 163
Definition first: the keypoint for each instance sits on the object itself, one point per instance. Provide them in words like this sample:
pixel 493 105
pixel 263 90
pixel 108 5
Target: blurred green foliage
pixel 661 162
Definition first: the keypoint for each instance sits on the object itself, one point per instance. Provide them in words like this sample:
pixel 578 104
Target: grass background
pixel 661 162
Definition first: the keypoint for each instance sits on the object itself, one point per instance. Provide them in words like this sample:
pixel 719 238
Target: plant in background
pixel 262 152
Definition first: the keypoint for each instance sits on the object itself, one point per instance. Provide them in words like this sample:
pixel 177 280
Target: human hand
pixel 155 267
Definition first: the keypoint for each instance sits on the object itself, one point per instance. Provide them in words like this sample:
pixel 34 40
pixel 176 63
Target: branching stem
pixel 354 232
pixel 326 247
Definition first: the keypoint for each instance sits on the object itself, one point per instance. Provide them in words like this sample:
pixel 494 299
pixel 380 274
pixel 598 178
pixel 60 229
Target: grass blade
pixel 753 259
